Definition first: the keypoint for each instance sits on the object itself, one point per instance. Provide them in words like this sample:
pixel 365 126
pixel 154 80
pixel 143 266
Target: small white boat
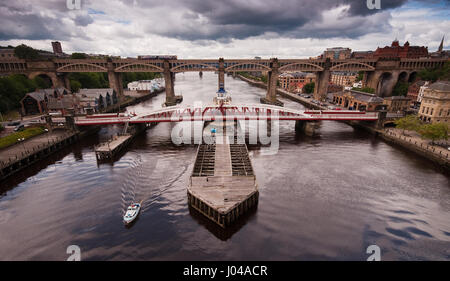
pixel 132 213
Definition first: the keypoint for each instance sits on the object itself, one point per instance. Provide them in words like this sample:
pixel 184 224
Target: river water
pixel 323 198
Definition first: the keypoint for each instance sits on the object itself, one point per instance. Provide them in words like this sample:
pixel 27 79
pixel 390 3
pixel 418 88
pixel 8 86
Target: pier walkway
pixel 222 186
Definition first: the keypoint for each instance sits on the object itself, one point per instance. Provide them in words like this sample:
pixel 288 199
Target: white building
pixel 421 91
pixel 357 84
pixel 146 85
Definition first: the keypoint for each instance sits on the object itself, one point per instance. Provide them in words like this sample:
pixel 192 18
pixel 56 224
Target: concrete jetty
pixel 108 149
pixel 222 185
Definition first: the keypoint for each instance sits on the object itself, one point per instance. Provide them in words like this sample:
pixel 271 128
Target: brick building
pixel 356 100
pixel 337 53
pixel 397 51
pixel 296 80
pixel 397 104
pixel 413 92
pixel 345 79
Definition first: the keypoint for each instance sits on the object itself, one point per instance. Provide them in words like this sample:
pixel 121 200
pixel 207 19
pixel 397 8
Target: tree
pixel 309 88
pixel 360 76
pixel 78 56
pixel 400 89
pixel 434 132
pixel 75 86
pixel 25 52
pixel 442 73
pixel 410 122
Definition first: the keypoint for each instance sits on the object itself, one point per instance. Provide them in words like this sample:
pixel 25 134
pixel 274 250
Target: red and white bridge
pixel 228 113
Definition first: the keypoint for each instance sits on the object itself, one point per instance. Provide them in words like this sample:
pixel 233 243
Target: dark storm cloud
pixel 83 20
pixel 241 19
pixel 39 20
pixel 198 19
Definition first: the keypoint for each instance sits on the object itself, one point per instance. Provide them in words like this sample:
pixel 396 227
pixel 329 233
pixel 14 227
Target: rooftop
pixel 443 86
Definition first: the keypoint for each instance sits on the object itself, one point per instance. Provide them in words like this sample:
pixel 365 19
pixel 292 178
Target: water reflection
pixel 325 197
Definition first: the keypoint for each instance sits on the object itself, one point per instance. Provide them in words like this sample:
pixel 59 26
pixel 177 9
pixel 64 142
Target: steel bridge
pixel 228 113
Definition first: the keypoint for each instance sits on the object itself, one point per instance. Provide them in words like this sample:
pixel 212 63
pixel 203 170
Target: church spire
pixel 441 47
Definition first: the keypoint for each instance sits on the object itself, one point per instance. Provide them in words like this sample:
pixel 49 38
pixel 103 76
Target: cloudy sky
pixel 222 28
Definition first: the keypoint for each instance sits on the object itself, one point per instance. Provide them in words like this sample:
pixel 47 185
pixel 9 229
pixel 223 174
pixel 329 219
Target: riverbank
pixel 415 144
pixel 21 155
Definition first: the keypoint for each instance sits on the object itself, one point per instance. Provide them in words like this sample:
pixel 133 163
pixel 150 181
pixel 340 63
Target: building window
pixel 440 112
pixel 431 112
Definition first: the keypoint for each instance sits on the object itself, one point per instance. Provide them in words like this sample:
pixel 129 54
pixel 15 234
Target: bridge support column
pixel 309 128
pixel 322 81
pixel 221 74
pixel 70 122
pixel 272 79
pixel 115 82
pixel 62 81
pixel 382 114
pixel 169 78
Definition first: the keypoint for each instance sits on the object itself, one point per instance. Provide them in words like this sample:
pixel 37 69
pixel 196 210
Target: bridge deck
pixel 229 189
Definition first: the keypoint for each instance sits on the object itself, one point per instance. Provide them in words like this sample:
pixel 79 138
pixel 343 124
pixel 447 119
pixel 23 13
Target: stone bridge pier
pixel 322 81
pixel 115 80
pixel 221 85
pixel 272 79
pixel 169 78
pixel 309 128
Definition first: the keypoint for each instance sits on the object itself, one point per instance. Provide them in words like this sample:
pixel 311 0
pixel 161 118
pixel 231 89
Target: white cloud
pixel 122 28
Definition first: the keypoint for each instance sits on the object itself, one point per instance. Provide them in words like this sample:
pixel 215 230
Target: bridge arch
pixel 412 77
pixel 300 66
pixel 193 67
pixel 139 67
pixel 81 67
pixel 243 67
pixel 403 76
pixel 49 77
pixel 352 66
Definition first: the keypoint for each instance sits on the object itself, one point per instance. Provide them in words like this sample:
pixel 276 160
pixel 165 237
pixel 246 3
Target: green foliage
pixel 437 131
pixel 263 78
pixel 436 73
pixel 410 122
pixel 75 86
pixel 90 80
pixel 365 90
pixel 27 133
pixel 25 52
pixel 12 89
pixel 360 76
pixel 400 89
pixel 42 83
pixel 78 56
pixel 309 88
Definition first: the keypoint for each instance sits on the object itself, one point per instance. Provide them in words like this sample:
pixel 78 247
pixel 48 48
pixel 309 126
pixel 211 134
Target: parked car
pixel 19 128
pixel 14 123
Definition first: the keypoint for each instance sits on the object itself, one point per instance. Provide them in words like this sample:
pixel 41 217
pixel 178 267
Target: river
pixel 321 198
